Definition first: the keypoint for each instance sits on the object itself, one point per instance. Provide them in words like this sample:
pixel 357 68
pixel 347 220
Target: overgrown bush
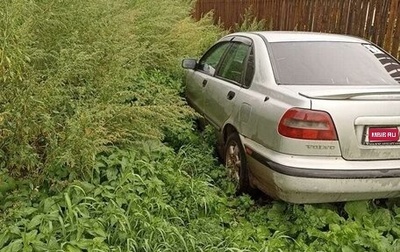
pixel 80 76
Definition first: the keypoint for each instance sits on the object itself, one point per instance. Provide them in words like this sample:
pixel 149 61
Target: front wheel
pixel 235 162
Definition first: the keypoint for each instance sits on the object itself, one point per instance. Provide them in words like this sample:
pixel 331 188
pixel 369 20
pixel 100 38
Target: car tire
pixel 235 162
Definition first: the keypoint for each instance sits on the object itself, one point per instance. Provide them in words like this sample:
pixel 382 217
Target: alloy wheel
pixel 233 162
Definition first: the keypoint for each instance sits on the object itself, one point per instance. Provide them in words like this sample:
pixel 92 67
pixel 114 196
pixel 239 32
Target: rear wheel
pixel 235 162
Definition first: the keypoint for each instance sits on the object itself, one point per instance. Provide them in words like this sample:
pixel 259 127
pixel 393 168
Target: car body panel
pixel 195 92
pixel 220 100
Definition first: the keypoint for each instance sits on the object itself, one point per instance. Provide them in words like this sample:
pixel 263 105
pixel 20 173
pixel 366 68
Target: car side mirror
pixel 189 63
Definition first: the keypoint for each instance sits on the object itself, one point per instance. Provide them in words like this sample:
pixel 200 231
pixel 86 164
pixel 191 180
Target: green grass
pixel 99 150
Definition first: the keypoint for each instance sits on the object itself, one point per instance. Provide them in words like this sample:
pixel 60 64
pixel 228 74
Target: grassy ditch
pixel 99 152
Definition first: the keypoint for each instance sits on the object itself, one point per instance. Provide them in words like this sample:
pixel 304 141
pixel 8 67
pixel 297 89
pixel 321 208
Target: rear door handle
pixel 230 95
pixel 204 82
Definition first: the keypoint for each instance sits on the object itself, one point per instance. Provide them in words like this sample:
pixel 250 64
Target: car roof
pixel 293 36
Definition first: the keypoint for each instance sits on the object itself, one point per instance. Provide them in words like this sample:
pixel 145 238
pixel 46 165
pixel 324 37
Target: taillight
pixel 307 124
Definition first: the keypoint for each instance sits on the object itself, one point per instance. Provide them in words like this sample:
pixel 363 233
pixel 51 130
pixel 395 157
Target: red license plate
pixel 383 134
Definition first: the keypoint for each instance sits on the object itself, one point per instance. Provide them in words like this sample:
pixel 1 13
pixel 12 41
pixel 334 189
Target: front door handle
pixel 204 82
pixel 230 95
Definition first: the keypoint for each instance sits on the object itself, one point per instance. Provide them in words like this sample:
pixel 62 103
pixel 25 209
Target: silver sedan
pixel 304 117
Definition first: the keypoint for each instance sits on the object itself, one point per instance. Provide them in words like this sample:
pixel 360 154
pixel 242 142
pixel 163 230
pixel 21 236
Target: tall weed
pixel 249 22
pixel 81 76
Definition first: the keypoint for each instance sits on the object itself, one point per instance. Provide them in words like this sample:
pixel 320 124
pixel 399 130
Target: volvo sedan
pixel 304 117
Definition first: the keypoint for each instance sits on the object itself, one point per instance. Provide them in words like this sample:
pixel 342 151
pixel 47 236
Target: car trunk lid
pixel 367 120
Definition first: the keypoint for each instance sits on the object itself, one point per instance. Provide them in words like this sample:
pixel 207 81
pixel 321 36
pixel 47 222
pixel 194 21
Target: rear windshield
pixel 333 63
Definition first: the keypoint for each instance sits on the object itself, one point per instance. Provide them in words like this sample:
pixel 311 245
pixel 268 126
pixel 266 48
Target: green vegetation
pixel 250 22
pixel 99 151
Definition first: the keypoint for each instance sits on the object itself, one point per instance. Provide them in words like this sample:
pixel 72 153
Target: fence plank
pixel 391 24
pixel 370 18
pixel 384 17
pixel 339 15
pixel 344 23
pixel 310 20
pixel 395 48
pixel 360 14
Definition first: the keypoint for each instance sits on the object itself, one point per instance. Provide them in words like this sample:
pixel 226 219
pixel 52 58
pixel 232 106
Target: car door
pixel 197 79
pixel 222 90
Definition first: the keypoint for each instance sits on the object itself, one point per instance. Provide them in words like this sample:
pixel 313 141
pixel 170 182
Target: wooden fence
pixel 375 20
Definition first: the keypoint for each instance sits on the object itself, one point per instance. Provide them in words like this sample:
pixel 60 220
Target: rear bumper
pixel 327 173
pixel 299 179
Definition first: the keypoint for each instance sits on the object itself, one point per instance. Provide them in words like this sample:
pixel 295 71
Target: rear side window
pixel 235 66
pixel 333 63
